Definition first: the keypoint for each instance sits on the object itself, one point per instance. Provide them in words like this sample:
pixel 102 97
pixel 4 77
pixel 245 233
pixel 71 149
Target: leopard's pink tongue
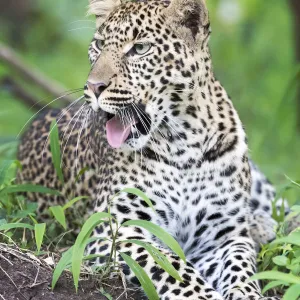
pixel 117 132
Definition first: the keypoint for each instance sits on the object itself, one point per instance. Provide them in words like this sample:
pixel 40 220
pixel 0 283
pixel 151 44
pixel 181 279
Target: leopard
pixel 155 118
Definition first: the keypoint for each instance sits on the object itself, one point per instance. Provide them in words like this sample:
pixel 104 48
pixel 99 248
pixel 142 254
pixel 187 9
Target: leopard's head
pixel 146 59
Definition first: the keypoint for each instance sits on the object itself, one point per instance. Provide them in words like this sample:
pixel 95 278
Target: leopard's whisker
pixel 74 29
pixel 42 100
pixel 18 135
pixel 139 141
pixel 130 117
pixel 151 137
pixel 82 20
pixel 80 111
pixel 65 110
pixel 149 123
pixel 173 128
pixel 61 115
pixel 147 119
pixel 79 135
pixel 67 126
pixel 175 131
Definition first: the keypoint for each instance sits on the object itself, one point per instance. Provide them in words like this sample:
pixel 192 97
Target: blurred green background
pixel 254 52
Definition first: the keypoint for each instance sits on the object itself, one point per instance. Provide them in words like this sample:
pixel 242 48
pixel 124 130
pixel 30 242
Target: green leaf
pixel 39 231
pixel 55 150
pixel 276 275
pixel 5 165
pixel 81 172
pixel 73 201
pixel 292 293
pixel 21 214
pixel 82 240
pixel 272 285
pixel 165 237
pixel 280 260
pixel 140 194
pixel 105 294
pixel 15 225
pixel 294 268
pixel 21 188
pixel 32 206
pixel 296 208
pixel 159 257
pixel 59 215
pixel 296 260
pixel 293 238
pixel 63 263
pixel 142 276
pixel 3 221
pixel 293 182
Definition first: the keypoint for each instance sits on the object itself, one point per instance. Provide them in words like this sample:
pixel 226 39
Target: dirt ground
pixel 23 278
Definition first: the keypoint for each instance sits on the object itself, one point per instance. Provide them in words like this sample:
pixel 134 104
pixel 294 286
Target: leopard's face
pixel 140 71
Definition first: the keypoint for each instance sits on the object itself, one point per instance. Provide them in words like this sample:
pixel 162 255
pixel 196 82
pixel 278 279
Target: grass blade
pixel 82 240
pixel 142 276
pixel 15 225
pixel 140 194
pixel 59 215
pixel 105 294
pixel 39 231
pixel 63 264
pixel 21 188
pixel 296 208
pixel 292 293
pixel 275 275
pixel 272 285
pixel 165 237
pixel 159 257
pixel 280 260
pixel 5 165
pixel 293 238
pixel 73 201
pixel 80 173
pixel 55 150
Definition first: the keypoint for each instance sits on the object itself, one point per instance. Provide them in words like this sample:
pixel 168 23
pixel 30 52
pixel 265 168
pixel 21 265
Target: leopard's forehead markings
pixel 131 21
pixel 131 14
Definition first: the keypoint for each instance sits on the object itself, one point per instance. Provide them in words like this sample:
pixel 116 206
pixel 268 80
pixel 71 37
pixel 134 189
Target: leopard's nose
pixel 97 87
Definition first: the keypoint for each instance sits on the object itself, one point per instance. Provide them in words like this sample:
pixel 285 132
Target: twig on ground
pixel 122 295
pixel 38 283
pixel 2 297
pixel 3 257
pixel 36 276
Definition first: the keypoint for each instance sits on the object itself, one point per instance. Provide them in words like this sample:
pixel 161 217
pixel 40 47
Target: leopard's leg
pixel 228 268
pixel 193 285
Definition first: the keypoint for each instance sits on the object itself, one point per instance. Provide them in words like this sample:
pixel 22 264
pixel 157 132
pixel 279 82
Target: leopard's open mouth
pixel 130 122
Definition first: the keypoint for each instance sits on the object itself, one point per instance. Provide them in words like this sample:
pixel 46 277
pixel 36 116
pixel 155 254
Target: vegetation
pixel 17 213
pixel 254 58
pixel 279 261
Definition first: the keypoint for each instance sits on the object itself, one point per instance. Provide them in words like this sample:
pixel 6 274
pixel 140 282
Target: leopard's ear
pixel 102 8
pixel 189 18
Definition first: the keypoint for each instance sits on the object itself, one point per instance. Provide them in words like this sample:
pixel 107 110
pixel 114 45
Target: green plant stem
pixel 114 237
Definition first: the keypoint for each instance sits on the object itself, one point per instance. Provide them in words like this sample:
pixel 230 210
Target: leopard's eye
pixel 100 44
pixel 141 48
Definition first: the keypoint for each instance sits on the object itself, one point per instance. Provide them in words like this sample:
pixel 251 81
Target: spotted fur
pixel 187 152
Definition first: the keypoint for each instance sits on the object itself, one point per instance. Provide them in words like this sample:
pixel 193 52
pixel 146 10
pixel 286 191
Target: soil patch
pixel 24 278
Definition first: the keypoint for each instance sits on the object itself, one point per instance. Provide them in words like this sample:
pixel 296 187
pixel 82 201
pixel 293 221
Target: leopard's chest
pixel 192 205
